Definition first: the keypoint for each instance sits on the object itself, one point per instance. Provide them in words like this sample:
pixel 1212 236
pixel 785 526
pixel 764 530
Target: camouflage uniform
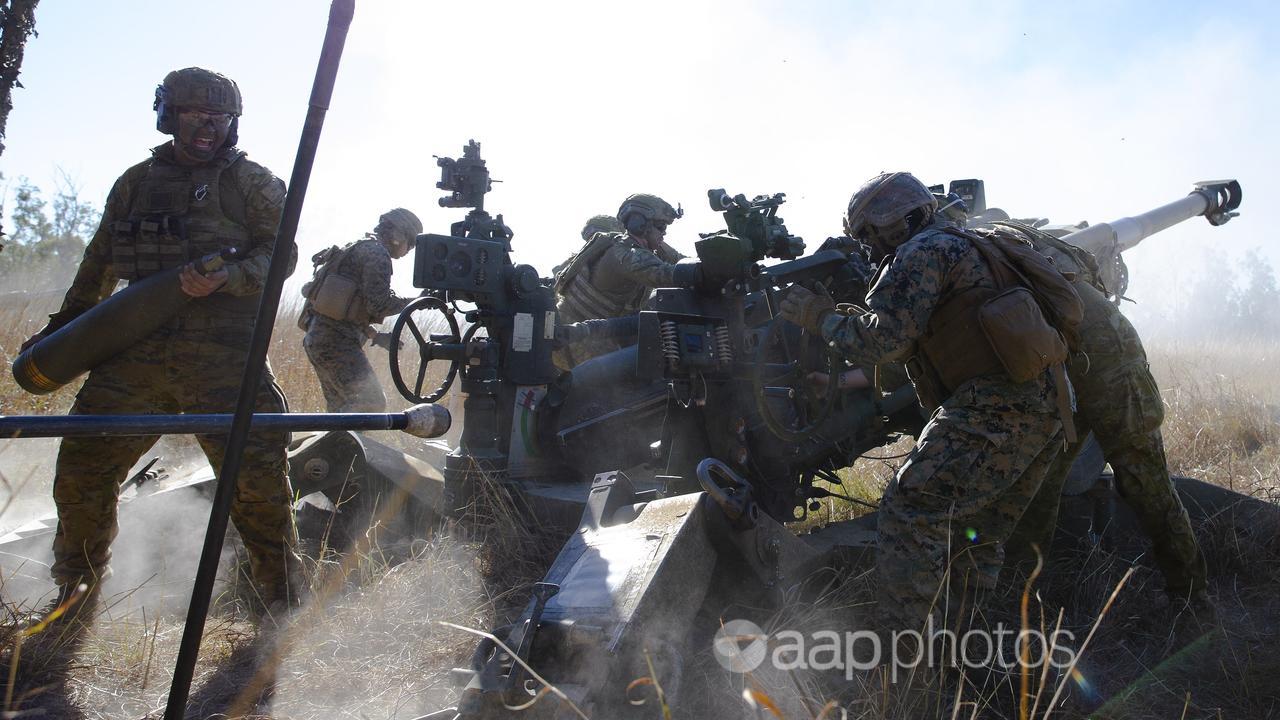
pixel 336 347
pixel 193 364
pixel 1117 399
pixel 979 460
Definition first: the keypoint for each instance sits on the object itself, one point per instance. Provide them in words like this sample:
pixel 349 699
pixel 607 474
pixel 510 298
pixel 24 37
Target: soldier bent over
pixel 983 453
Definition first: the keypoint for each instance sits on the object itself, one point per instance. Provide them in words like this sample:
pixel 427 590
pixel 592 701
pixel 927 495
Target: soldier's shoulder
pixel 258 179
pixel 612 237
pixel 136 172
pixel 253 171
pixel 368 247
pixel 937 239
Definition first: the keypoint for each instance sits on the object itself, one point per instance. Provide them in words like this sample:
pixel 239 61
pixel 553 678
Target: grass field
pixel 369 643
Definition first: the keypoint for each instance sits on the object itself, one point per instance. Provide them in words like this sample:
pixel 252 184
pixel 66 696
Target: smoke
pixel 155 555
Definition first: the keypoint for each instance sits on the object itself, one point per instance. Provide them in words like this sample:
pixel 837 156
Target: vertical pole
pixel 340 14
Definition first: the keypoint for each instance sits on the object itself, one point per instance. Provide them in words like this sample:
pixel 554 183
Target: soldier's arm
pixel 264 203
pixel 638 265
pixel 900 304
pixel 375 282
pixel 95 278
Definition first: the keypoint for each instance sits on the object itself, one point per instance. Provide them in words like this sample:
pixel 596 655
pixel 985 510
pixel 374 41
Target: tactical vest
pixel 582 298
pixel 178 214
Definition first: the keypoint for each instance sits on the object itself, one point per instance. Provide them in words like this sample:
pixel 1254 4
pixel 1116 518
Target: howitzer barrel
pixel 425 421
pixel 1216 200
pixel 104 331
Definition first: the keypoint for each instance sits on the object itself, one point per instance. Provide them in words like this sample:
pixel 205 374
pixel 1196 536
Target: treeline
pixel 44 239
pixel 1232 299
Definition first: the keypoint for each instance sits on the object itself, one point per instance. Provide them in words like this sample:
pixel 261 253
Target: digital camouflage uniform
pixel 193 364
pixel 1117 399
pixel 336 347
pixel 981 457
pixel 616 281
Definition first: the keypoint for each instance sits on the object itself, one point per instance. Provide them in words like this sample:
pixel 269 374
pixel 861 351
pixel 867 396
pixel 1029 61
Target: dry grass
pixel 368 644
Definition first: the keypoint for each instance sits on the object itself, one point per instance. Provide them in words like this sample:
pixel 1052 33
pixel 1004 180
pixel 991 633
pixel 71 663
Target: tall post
pixel 340 14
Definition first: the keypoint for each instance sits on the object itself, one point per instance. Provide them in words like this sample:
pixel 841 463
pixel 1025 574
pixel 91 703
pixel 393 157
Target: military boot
pixel 75 602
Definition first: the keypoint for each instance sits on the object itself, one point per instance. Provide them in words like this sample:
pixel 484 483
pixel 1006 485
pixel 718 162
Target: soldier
pixel 984 451
pixel 352 289
pixel 614 272
pixel 197 194
pixel 1118 400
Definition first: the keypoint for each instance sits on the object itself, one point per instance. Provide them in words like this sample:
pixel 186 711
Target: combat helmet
pixel 195 87
pixel 641 209
pixel 889 209
pixel 600 224
pixel 402 220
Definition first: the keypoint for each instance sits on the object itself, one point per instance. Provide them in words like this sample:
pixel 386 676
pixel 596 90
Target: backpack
pixel 331 294
pixel 1014 261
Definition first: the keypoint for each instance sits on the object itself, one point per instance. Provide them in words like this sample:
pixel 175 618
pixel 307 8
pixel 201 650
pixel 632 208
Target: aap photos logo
pixel 740 646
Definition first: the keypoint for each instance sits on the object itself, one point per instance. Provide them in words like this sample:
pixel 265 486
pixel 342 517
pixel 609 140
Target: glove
pixel 807 308
pixel 383 340
pixel 34 339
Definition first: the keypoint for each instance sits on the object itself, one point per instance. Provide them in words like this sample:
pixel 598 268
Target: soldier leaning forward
pixel 979 349
pixel 352 289
pixel 613 274
pixel 1117 399
pixel 195 195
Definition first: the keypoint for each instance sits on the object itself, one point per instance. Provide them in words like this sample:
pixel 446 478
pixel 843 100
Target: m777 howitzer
pixel 669 466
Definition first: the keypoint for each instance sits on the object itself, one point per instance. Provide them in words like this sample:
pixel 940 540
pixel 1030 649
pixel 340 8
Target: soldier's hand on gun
pixel 807 308
pixel 197 285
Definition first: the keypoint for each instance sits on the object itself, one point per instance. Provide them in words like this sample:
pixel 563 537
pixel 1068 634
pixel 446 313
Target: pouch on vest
pixel 1022 339
pixel 336 297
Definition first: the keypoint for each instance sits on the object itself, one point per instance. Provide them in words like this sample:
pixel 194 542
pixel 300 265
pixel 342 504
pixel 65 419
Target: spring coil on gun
pixel 668 336
pixel 724 348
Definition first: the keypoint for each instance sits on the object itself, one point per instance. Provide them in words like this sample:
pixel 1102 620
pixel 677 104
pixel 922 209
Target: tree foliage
pixel 47 239
pixel 17 23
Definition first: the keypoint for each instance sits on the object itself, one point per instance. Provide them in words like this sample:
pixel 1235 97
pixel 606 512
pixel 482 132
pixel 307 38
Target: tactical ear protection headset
pixel 166 114
pixel 635 223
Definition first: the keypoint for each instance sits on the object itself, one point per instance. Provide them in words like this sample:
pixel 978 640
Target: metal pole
pixel 430 419
pixel 340 14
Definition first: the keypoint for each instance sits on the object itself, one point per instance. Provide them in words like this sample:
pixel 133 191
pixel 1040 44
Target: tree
pixel 44 250
pixel 17 23
pixel 1257 302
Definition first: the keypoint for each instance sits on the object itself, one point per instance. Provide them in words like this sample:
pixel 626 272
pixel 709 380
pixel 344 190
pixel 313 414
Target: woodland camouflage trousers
pixel 193 370
pixel 957 499
pixel 346 377
pixel 1121 405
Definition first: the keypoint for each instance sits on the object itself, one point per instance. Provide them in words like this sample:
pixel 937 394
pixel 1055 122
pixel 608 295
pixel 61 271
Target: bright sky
pixel 1072 111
